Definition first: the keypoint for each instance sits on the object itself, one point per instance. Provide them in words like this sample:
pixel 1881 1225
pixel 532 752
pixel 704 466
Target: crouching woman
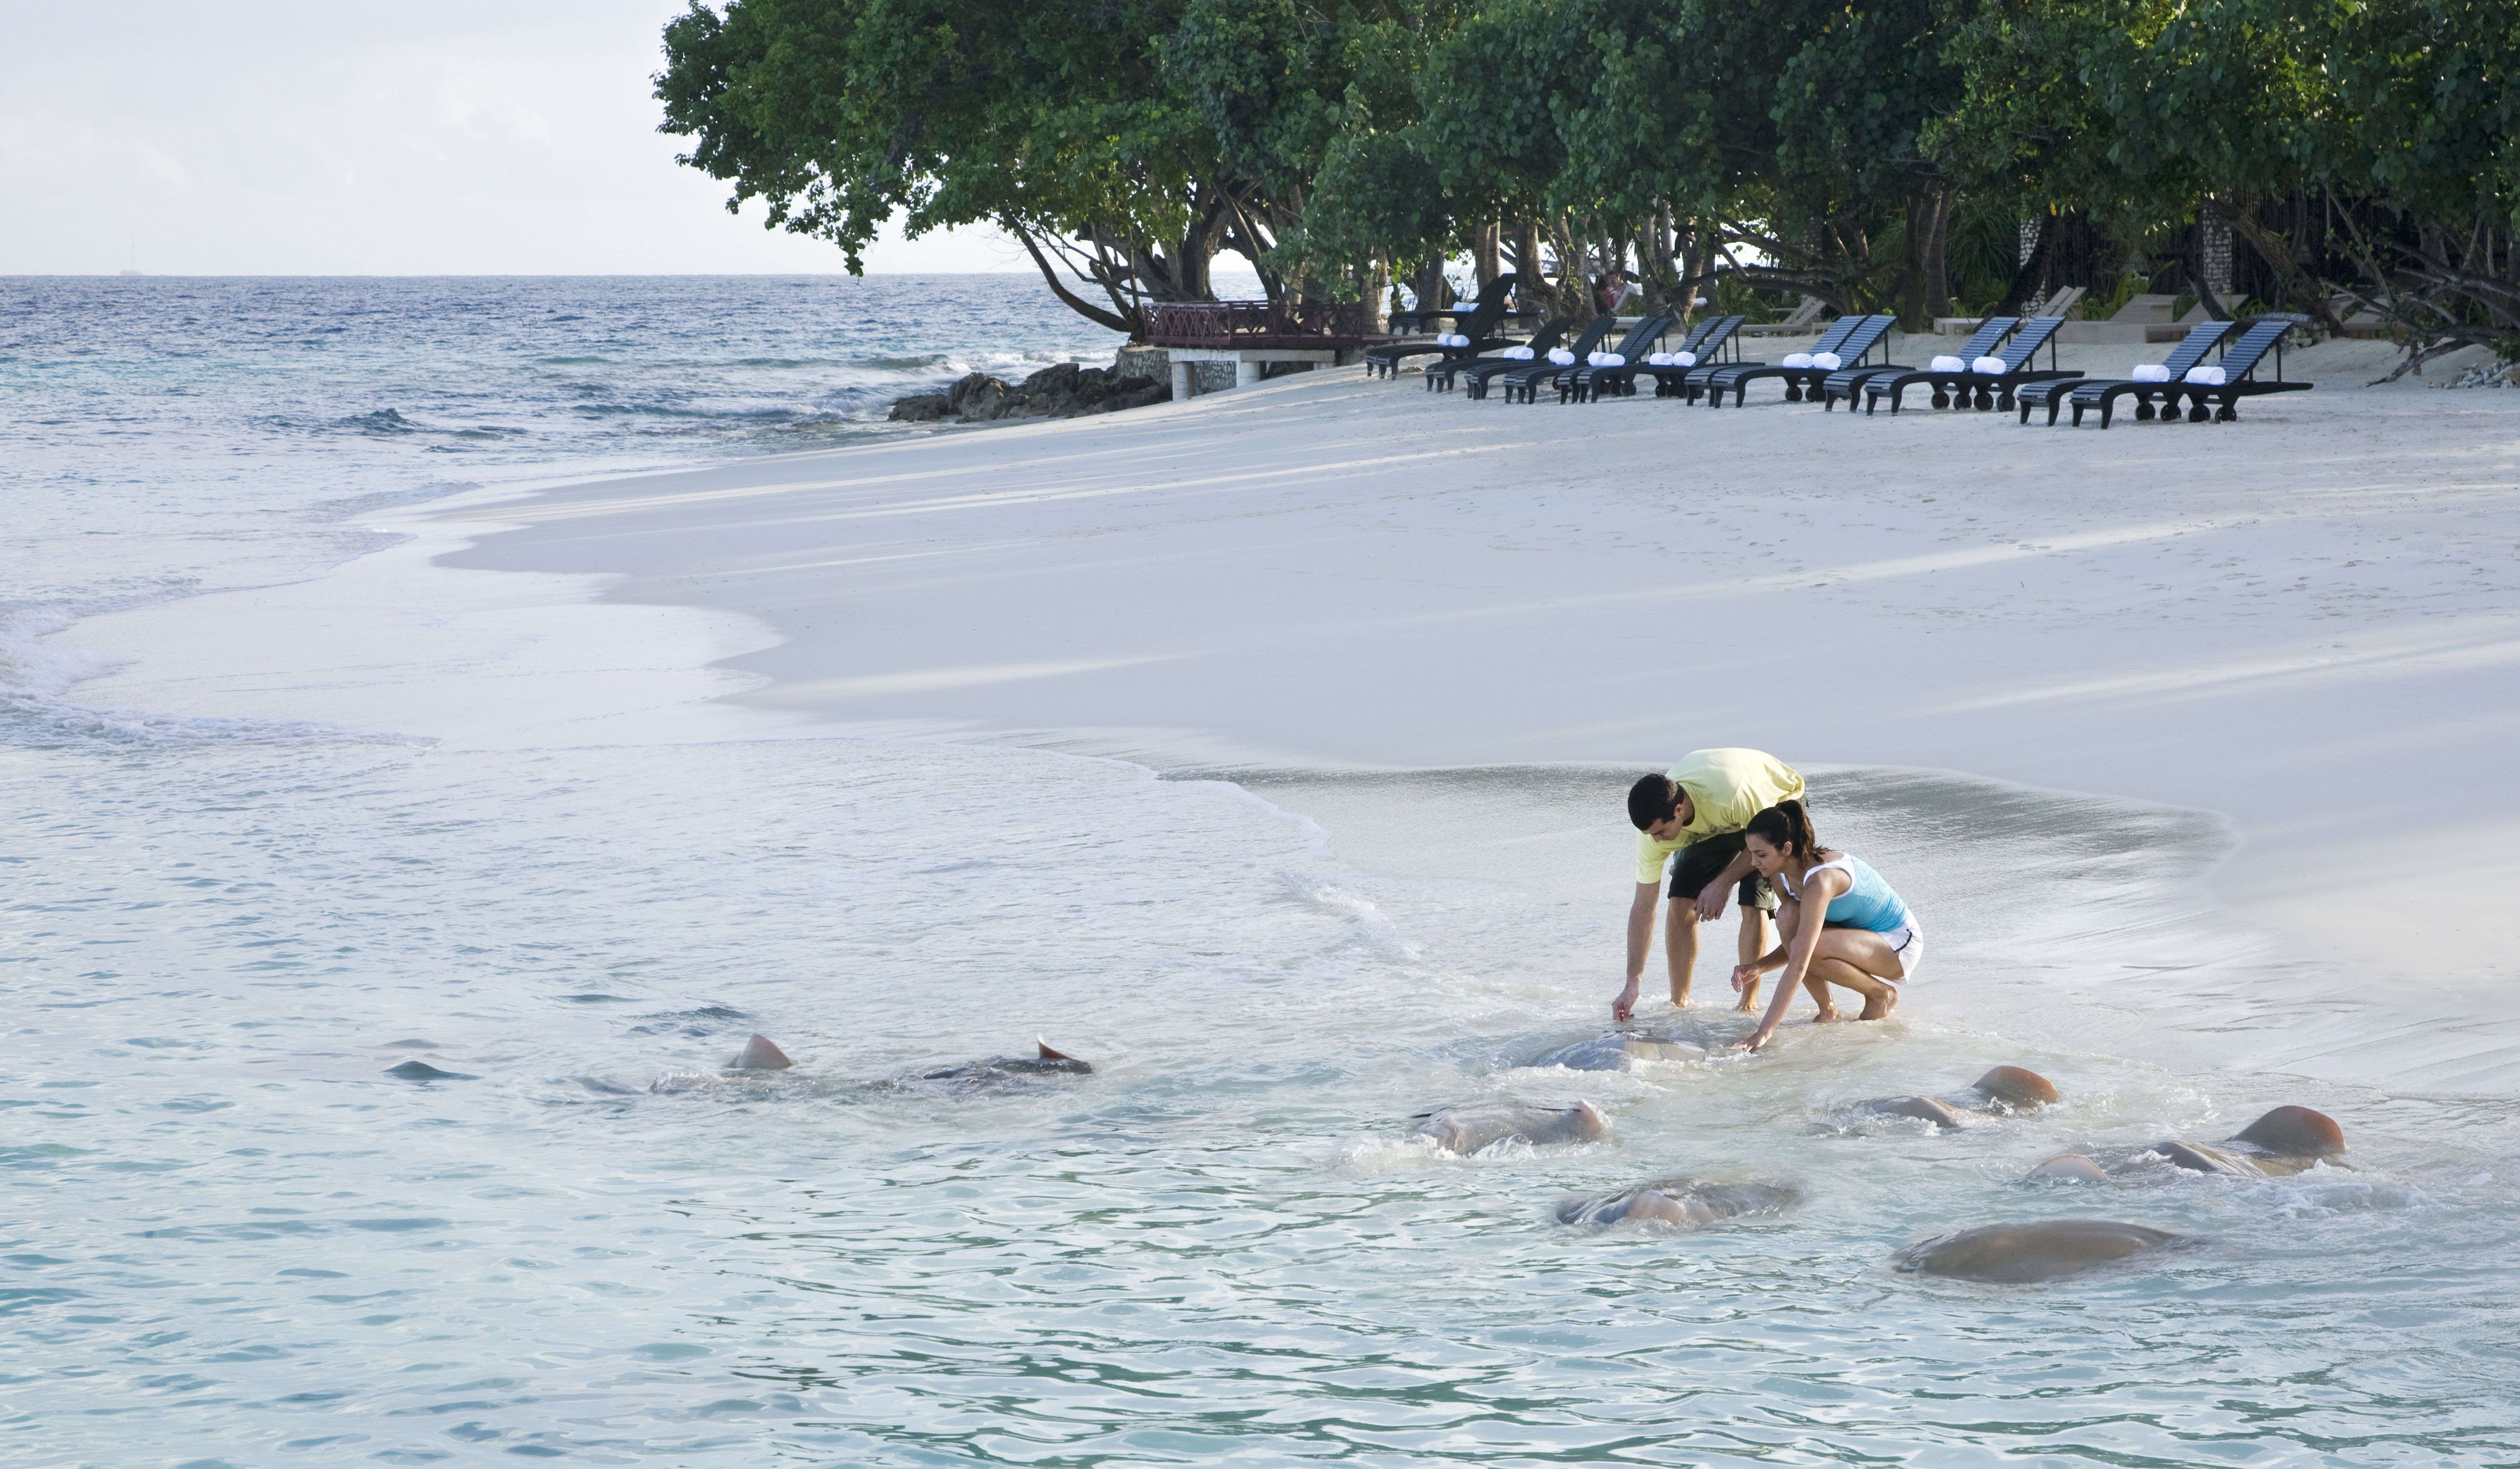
pixel 1840 924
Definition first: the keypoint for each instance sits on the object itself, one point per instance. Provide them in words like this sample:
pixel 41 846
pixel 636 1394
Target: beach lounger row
pixel 2184 373
pixel 1995 370
pixel 1474 335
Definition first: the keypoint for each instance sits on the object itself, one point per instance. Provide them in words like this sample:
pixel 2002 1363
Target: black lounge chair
pixel 2239 364
pixel 1440 375
pixel 1705 339
pixel 2102 393
pixel 1479 375
pixel 1694 385
pixel 1850 338
pixel 1477 326
pixel 1984 390
pixel 1423 319
pixel 1524 382
pixel 1849 382
pixel 1586 382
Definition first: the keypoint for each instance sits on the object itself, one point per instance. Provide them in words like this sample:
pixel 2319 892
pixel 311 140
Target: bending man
pixel 1697 809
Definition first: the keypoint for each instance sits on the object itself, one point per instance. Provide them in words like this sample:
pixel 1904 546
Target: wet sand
pixel 2303 624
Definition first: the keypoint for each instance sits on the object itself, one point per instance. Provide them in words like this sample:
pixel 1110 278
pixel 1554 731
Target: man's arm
pixel 1718 892
pixel 1640 928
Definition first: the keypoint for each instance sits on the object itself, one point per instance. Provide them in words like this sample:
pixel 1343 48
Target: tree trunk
pixel 1938 275
pixel 1689 243
pixel 1428 284
pixel 1484 254
pixel 1912 266
pixel 1533 293
pixel 1663 291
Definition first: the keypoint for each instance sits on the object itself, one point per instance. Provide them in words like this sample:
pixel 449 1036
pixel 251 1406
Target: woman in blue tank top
pixel 1841 923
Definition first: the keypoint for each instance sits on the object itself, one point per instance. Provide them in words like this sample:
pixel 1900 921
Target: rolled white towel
pixel 1562 356
pixel 1683 359
pixel 1798 359
pixel 1828 362
pixel 1993 367
pixel 1595 359
pixel 2208 376
pixel 2151 371
pixel 1657 359
pixel 1609 359
pixel 1948 364
pixel 1452 339
pixel 1518 354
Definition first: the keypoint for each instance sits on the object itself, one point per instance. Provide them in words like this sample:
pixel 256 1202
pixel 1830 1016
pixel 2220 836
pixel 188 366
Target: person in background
pixel 1698 809
pixel 1843 926
pixel 1611 290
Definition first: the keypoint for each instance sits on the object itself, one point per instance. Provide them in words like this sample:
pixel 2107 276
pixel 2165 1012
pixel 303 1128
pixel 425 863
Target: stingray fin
pixel 1049 1054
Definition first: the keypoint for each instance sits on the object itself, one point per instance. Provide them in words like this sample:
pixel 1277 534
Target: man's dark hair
pixel 1653 798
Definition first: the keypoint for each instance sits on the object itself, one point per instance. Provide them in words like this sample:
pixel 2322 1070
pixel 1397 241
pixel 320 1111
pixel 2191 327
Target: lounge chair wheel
pixel 2200 413
pixel 2228 414
pixel 2144 411
pixel 1941 399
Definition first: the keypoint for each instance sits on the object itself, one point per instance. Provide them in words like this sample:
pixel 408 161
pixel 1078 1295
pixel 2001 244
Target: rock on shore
pixel 1065 391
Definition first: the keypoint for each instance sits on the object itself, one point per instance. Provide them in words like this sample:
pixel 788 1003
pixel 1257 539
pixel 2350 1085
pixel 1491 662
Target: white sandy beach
pixel 2305 621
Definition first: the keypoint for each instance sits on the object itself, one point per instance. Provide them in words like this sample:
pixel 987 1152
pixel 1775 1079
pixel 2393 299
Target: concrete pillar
pixel 1245 373
pixel 1182 385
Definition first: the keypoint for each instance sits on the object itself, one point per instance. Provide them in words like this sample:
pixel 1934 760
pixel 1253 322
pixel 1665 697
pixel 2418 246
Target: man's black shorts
pixel 1700 863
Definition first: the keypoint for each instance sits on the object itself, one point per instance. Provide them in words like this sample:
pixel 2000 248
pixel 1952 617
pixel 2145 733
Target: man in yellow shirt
pixel 1697 809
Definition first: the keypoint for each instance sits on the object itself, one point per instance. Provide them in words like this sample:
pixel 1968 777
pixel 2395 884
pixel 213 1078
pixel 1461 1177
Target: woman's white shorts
pixel 1910 944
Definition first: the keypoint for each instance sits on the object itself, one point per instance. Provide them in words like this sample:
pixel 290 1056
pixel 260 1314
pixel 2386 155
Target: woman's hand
pixel 1759 1038
pixel 1624 1007
pixel 1743 975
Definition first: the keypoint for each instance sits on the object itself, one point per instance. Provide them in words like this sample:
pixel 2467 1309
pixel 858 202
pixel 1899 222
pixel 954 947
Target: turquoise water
pixel 234 1239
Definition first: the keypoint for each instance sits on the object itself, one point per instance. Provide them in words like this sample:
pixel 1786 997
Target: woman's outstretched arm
pixel 1818 889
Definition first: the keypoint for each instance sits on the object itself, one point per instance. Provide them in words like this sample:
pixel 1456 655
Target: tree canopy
pixel 2325 157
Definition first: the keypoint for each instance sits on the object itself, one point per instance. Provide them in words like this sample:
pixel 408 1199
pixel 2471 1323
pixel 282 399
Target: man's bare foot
pixel 1878 1006
pixel 1826 1014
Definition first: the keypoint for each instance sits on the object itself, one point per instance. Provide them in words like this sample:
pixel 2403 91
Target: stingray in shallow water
pixel 1472 1126
pixel 1619 1050
pixel 2005 1090
pixel 2286 1141
pixel 421 1071
pixel 1690 1203
pixel 760 1068
pixel 2019 1254
pixel 1003 1071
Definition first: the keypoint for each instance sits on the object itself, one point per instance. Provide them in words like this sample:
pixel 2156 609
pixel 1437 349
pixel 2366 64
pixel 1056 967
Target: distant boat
pixel 128 271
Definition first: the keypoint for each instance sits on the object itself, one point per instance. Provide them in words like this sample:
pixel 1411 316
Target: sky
pixel 319 137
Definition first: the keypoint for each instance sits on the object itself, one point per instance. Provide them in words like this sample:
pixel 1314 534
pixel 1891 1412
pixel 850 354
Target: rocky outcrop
pixel 1065 391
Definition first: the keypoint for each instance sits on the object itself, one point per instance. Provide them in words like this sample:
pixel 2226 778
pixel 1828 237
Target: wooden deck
pixel 1232 326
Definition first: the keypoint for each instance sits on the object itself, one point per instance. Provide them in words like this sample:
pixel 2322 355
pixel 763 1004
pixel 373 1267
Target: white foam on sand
pixel 2308 622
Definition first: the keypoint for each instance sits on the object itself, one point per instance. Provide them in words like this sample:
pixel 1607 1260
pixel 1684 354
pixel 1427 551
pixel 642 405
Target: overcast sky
pixel 334 137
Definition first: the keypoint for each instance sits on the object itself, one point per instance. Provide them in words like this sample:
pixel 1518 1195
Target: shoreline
pixel 851 591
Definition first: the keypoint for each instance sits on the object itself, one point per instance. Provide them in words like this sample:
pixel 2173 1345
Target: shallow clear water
pixel 236 1240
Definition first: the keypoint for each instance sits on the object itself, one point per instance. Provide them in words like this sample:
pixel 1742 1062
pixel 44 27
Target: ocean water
pixel 236 1239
